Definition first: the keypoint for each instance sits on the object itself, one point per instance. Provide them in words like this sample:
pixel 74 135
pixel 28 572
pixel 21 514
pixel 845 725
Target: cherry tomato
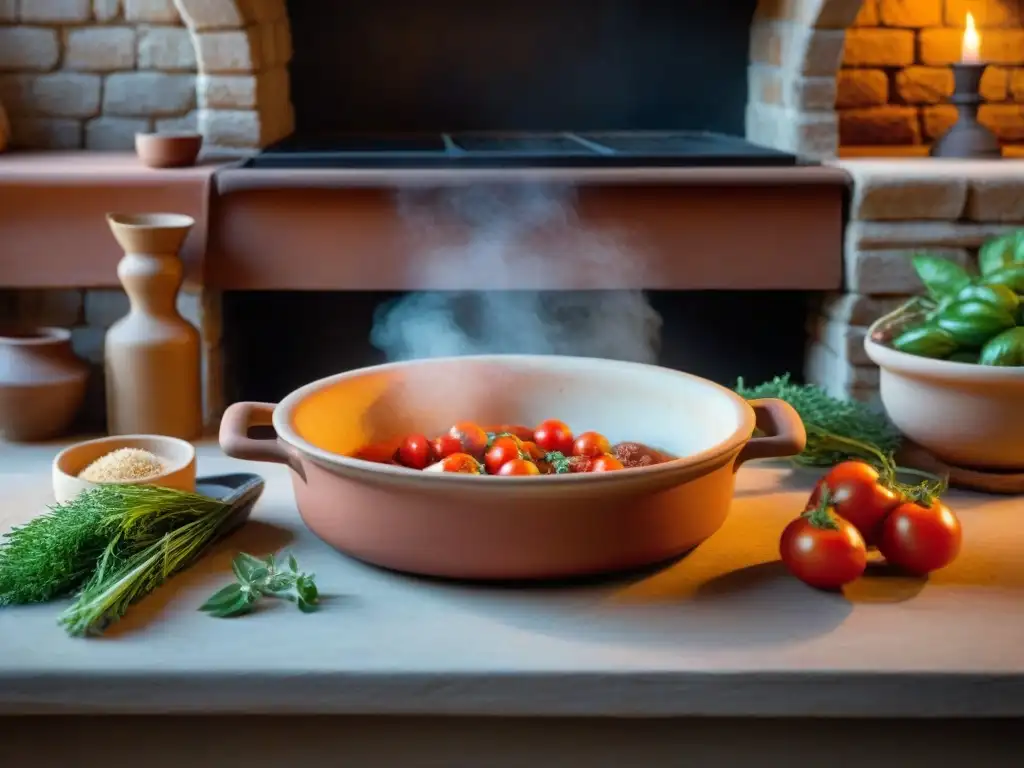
pixel 920 539
pixel 502 451
pixel 857 495
pixel 604 463
pixel 591 444
pixel 461 463
pixel 554 435
pixel 523 433
pixel 471 436
pixel 533 450
pixel 414 452
pixel 579 464
pixel 445 445
pixel 823 550
pixel 518 467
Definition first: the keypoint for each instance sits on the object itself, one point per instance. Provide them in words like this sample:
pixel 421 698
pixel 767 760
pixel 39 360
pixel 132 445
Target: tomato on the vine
pixel 444 446
pixel 858 494
pixel 502 450
pixel 414 452
pixel 554 435
pixel 517 430
pixel 471 436
pixel 920 538
pixel 604 463
pixel 518 467
pixel 823 550
pixel 461 463
pixel 591 444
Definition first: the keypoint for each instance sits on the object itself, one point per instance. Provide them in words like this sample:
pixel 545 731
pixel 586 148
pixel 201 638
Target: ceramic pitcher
pixel 151 358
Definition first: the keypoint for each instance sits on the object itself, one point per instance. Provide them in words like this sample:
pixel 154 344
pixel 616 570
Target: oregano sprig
pixel 257 578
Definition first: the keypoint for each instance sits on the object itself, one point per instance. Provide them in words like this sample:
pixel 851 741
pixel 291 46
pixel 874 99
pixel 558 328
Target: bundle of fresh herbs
pixel 112 545
pixel 837 430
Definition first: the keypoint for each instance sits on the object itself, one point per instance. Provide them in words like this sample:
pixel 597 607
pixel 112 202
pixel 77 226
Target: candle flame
pixel 971 47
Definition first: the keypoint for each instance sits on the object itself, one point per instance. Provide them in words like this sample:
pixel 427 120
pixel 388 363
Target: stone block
pixel 28 48
pixel 924 85
pixel 154 11
pixel 889 272
pixel 995 84
pixel 46 133
pixel 936 120
pixel 891 190
pixel 771 85
pixel 56 11
pixel 858 309
pixel 232 127
pixel 845 341
pixel 114 134
pixel 105 306
pixel 48 307
pixel 205 15
pixel 812 134
pixel 879 126
pixel 236 51
pixel 148 94
pixel 835 375
pixel 189 122
pixel 987 13
pixel 997 198
pixel 913 14
pixel 861 88
pixel 798 49
pixel 943 46
pixel 106 10
pixel 240 91
pixel 100 49
pixel 1016 85
pixel 59 94
pixel 867 16
pixel 879 48
pixel 1006 121
pixel 166 48
pixel 879 235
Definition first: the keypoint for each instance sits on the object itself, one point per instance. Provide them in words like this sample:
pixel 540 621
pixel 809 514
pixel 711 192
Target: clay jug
pixel 151 357
pixel 42 383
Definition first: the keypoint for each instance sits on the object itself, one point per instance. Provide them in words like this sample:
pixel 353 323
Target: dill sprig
pixel 56 553
pixel 837 430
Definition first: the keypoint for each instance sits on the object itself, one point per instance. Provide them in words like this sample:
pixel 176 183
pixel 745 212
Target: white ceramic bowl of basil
pixel 952 363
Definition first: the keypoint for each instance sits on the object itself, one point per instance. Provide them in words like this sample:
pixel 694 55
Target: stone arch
pixel 796 46
pixel 796 49
pixel 242 52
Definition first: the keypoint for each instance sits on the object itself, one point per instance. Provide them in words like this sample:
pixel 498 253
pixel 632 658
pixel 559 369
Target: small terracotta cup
pixel 178 456
pixel 168 150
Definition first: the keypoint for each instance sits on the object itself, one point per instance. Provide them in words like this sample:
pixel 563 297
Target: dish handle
pixel 784 433
pixel 234 438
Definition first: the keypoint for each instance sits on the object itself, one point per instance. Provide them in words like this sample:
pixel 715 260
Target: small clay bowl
pixel 168 150
pixel 178 456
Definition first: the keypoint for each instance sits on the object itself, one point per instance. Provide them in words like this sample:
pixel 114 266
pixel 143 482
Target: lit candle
pixel 970 49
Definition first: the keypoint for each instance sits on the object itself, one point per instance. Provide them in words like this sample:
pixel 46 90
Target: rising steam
pixel 516 232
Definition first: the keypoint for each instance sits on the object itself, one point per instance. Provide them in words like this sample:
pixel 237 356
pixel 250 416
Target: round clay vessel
pixel 177 456
pixel 42 383
pixel 967 415
pixel 473 527
pixel 168 150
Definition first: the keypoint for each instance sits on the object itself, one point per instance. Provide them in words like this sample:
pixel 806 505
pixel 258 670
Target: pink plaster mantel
pixel 53 227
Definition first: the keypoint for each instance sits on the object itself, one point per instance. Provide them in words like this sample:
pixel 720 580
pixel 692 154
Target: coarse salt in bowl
pixel 176 457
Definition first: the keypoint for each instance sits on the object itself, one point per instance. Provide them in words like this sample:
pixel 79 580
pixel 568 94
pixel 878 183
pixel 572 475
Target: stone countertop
pixel 725 631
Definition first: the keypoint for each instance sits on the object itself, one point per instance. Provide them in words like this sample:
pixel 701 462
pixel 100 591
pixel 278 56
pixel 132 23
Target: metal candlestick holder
pixel 967 138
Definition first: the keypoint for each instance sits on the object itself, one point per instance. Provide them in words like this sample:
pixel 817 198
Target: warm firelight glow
pixel 970 49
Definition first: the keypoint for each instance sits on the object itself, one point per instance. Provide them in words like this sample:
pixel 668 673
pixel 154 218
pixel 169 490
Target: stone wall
pixel 91 73
pixel 895 81
pixel 900 208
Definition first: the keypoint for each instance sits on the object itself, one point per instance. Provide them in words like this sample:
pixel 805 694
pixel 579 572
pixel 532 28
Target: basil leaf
pixel 1001 252
pixel 941 277
pixel 242 605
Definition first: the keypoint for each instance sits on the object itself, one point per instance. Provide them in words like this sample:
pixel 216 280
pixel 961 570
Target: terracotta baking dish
pixel 489 528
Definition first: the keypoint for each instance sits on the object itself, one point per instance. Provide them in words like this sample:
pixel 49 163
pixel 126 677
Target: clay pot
pixel 42 383
pixel 168 150
pixel 473 527
pixel 965 414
